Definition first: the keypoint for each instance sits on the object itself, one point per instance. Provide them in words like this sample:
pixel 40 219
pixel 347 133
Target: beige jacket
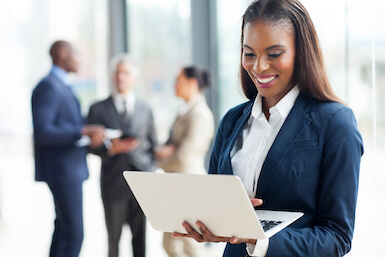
pixel 191 134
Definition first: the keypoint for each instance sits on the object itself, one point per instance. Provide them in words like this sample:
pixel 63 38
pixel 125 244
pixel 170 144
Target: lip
pixel 268 84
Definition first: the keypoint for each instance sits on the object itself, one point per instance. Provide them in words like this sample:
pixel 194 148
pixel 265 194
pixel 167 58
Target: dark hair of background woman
pixel 201 74
pixel 309 71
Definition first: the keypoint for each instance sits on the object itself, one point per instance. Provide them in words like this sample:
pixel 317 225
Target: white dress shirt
pixel 128 100
pixel 253 144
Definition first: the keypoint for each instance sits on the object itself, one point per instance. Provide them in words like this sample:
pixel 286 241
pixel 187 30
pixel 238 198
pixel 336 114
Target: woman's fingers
pixel 208 236
pixel 198 237
pixel 256 202
pixel 205 235
pixel 177 234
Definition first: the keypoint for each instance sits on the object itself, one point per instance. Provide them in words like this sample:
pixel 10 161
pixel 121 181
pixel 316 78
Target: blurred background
pixel 164 36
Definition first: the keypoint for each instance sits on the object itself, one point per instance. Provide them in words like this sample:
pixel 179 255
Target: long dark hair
pixel 309 71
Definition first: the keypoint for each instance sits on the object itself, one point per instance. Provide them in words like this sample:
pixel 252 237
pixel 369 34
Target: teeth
pixel 265 80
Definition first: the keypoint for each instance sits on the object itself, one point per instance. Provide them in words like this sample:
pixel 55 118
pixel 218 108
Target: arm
pixel 213 166
pixel 46 100
pixel 152 138
pixel 332 231
pixel 195 138
pixel 94 118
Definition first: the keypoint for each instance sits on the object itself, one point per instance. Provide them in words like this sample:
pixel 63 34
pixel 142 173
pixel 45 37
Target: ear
pixel 62 53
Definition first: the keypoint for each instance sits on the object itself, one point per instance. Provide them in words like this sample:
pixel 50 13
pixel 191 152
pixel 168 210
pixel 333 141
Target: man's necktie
pixel 125 117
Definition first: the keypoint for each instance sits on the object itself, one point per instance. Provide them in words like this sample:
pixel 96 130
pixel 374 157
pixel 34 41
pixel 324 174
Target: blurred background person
pixel 132 149
pixel 189 141
pixel 60 155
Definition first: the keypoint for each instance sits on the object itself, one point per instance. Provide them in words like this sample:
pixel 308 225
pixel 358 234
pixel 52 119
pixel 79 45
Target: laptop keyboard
pixel 269 224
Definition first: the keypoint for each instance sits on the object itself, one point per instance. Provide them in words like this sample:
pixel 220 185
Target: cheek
pixel 285 66
pixel 247 64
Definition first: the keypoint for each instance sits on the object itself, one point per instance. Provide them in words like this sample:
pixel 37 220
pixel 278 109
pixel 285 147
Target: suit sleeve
pixel 48 130
pixel 332 232
pixel 152 138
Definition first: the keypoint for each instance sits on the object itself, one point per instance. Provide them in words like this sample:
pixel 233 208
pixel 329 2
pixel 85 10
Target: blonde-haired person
pixel 189 141
pixel 294 145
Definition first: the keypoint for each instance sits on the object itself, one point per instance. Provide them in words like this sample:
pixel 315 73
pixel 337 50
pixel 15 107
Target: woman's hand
pixel 204 235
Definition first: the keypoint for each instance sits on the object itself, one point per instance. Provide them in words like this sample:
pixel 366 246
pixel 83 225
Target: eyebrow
pixel 268 48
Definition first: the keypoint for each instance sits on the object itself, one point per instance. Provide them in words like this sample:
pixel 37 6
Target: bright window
pixel 160 40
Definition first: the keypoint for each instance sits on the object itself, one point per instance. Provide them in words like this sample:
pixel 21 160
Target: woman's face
pixel 181 85
pixel 268 57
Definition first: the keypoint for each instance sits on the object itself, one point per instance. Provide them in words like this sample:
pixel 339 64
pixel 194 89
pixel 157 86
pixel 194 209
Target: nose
pixel 261 65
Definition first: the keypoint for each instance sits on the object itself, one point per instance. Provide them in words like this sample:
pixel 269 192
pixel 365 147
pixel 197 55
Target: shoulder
pixel 201 109
pixel 332 119
pixel 46 82
pixel 102 103
pixel 47 87
pixel 238 111
pixel 142 105
pixel 336 112
pixel 324 110
pixel 231 119
pixel 100 106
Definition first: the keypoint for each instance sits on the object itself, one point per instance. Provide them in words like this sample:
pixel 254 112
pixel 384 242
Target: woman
pixel 294 145
pixel 189 141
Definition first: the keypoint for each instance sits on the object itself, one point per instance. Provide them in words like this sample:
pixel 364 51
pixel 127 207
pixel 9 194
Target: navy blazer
pixel 57 124
pixel 312 166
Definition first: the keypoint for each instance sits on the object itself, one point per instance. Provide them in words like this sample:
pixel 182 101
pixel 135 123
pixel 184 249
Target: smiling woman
pixel 289 143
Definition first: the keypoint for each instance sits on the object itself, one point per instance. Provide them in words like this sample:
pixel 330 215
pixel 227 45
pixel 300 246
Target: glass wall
pixel 229 15
pixel 28 28
pixel 159 37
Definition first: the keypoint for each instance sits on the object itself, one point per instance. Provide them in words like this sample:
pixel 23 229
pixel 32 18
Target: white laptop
pixel 219 201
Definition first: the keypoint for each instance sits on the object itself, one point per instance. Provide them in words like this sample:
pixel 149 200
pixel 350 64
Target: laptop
pixel 219 201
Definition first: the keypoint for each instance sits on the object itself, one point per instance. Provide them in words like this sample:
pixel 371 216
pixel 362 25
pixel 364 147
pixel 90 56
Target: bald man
pixel 60 158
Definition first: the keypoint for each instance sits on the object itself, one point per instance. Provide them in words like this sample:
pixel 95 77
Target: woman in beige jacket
pixel 190 138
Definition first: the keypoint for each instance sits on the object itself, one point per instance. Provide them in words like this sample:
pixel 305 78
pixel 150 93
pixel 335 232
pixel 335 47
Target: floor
pixel 27 212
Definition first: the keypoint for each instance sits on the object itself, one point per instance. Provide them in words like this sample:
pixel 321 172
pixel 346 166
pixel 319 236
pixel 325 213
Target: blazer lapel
pixel 295 124
pixel 226 166
pixel 113 114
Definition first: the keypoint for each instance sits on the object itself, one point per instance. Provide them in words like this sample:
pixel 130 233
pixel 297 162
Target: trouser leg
pixel 68 234
pixel 137 223
pixel 115 215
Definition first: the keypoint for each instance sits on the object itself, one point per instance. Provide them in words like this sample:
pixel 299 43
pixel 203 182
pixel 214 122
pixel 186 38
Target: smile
pixel 266 82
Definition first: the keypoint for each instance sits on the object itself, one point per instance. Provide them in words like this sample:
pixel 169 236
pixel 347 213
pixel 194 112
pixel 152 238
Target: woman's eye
pixel 274 55
pixel 249 55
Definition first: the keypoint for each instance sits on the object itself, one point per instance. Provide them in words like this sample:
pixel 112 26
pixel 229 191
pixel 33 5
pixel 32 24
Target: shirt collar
pixel 284 106
pixel 129 98
pixel 61 74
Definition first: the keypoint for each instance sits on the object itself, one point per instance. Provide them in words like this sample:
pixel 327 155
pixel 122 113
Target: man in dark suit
pixel 60 159
pixel 123 112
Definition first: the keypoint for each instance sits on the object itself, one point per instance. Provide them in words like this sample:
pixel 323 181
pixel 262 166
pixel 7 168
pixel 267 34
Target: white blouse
pixel 252 146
